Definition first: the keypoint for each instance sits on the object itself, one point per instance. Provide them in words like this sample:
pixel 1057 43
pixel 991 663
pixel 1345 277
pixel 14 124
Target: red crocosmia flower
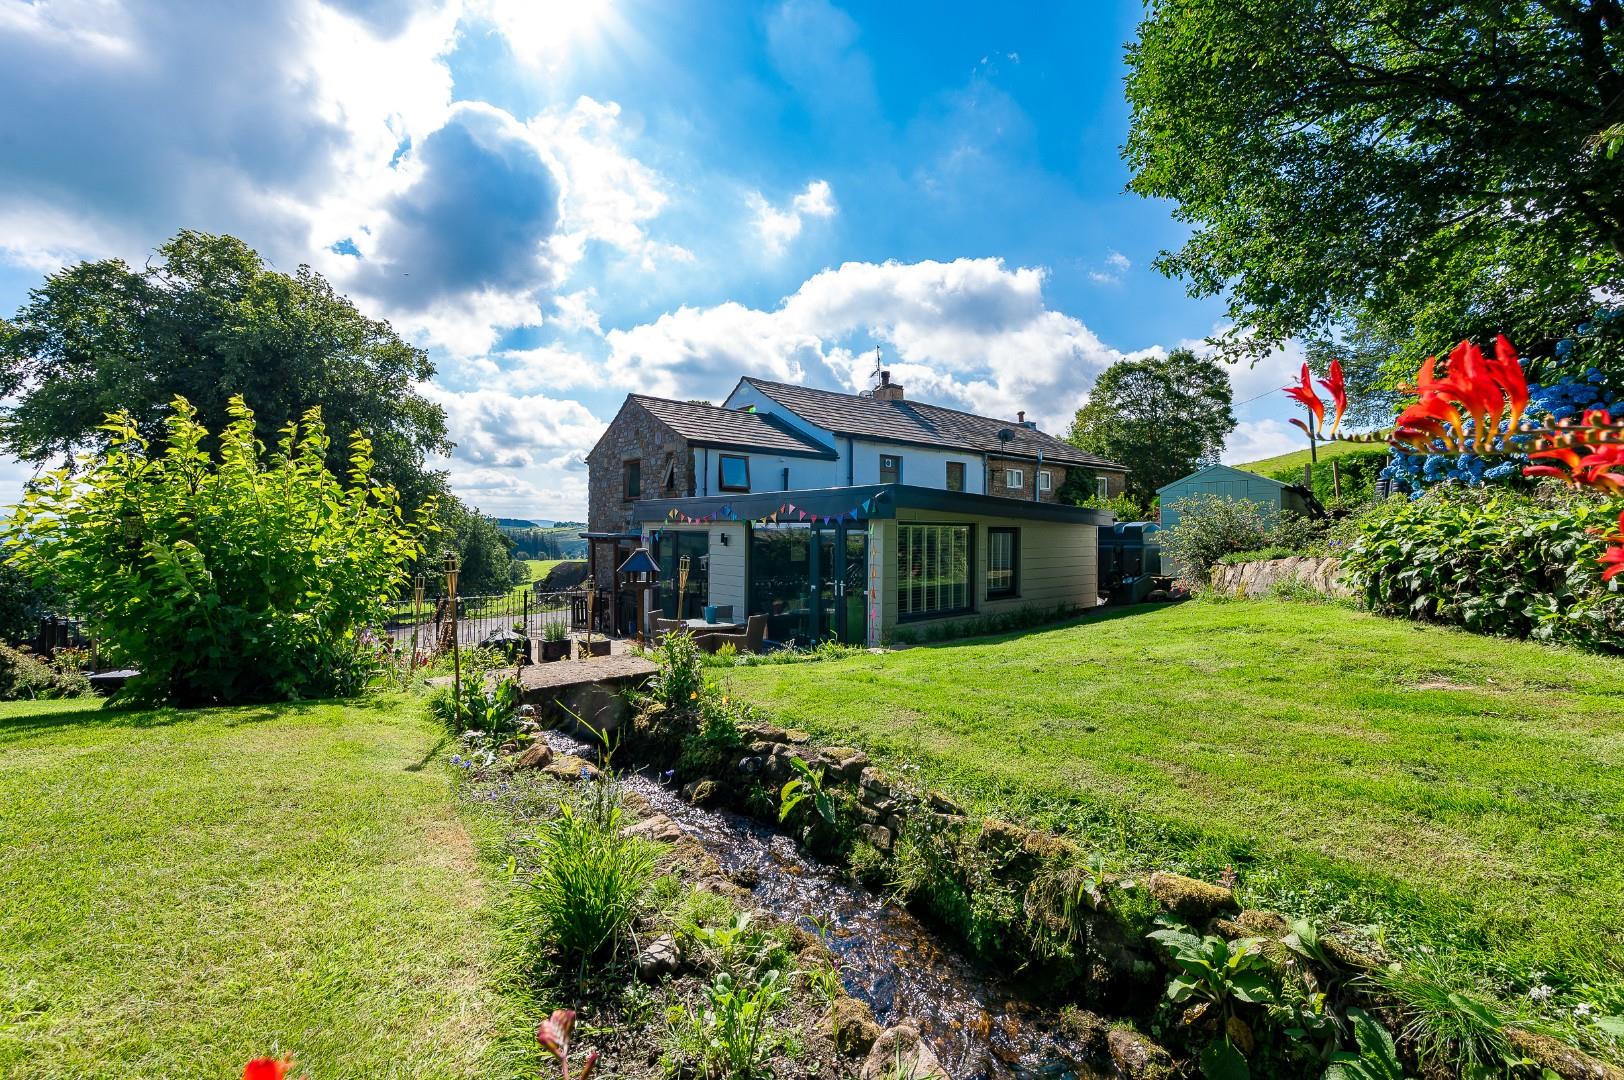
pixel 1338 390
pixel 586 1069
pixel 1475 388
pixel 265 1068
pixel 1612 559
pixel 1304 395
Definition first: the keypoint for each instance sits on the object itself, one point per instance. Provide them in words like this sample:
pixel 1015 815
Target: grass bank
pixel 1459 791
pixel 185 890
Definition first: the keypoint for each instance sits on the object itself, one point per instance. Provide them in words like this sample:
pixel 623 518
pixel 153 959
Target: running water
pixel 979 1026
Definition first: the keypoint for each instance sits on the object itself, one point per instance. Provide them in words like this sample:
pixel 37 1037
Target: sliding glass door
pixel 811 581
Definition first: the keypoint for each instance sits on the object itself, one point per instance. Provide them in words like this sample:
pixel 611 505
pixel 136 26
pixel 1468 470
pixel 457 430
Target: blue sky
pixel 566 201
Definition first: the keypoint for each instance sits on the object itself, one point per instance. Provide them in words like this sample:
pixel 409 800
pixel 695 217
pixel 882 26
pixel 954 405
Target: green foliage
pixel 806 784
pixel 1162 417
pixel 483 554
pixel 1212 528
pixel 681 678
pixel 1377 1058
pixel 1212 969
pixel 1411 172
pixel 493 711
pixel 24 676
pixel 939 868
pixel 208 321
pixel 555 631
pixel 1357 473
pixel 1004 622
pixel 734 1035
pixel 590 882
pixel 1123 507
pixel 729 656
pixel 1447 1016
pixel 714 743
pixel 1494 561
pixel 23 602
pixel 239 579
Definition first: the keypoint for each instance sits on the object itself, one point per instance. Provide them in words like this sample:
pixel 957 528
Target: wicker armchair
pixel 755 631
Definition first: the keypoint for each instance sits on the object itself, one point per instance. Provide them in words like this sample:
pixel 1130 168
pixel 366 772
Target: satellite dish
pixel 1006 435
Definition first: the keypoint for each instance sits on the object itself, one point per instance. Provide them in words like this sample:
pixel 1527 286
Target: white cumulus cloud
pixel 778 226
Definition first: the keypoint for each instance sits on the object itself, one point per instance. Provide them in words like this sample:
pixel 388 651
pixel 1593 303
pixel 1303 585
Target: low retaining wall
pixel 1323 575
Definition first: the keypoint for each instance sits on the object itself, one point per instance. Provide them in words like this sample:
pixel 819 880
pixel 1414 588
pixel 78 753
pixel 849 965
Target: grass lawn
pixel 1461 791
pixel 183 890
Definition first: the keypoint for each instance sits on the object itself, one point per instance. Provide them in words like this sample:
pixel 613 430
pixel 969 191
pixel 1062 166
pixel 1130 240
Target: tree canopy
pixel 1162 417
pixel 207 320
pixel 1413 171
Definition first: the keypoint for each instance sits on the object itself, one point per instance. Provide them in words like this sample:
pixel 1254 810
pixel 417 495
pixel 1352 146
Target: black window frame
pixel 896 460
pixel 1013 591
pixel 904 581
pixel 631 476
pixel 721 472
pixel 964 474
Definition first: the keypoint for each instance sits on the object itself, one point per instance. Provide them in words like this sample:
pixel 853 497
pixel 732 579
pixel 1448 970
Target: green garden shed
pixel 1228 483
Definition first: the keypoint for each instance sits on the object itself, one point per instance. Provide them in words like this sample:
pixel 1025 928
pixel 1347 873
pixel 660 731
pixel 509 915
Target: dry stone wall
pixel 1323 575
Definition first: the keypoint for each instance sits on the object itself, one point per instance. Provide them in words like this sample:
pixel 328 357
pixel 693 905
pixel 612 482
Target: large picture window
pixel 1003 563
pixel 933 570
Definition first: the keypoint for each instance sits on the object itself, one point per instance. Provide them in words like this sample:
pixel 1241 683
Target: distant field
pixel 1462 791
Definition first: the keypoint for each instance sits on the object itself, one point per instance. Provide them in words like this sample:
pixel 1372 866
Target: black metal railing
pixel 525 612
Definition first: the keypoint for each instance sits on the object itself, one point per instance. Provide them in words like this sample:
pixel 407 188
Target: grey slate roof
pixel 923 424
pixel 712 425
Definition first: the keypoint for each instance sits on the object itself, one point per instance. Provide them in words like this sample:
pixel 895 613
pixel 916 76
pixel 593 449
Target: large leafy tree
pixel 1162 417
pixel 207 320
pixel 1404 171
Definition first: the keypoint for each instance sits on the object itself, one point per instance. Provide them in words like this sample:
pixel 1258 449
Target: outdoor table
pixel 700 626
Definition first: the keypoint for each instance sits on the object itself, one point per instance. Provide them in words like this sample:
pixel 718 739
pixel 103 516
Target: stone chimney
pixel 887 390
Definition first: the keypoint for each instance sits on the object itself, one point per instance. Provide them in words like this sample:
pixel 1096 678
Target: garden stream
pixel 977 1023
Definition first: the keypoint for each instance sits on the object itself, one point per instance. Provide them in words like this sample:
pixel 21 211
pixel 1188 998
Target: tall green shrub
pixel 235 578
pixel 1495 561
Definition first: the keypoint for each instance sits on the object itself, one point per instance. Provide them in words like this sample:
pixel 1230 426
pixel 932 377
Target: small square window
pixel 633 481
pixel 1015 479
pixel 890 468
pixel 955 476
pixel 1045 480
pixel 733 473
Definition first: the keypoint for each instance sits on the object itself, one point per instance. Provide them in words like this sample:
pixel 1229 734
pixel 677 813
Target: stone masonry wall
pixel 1323 575
pixel 1029 476
pixel 634 435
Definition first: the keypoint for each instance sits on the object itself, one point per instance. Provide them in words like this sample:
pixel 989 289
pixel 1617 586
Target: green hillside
pixel 1298 458
pixel 1357 465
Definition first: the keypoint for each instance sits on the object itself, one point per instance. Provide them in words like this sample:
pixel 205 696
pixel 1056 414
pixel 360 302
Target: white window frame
pixel 1102 487
pixel 1015 478
pixel 1045 480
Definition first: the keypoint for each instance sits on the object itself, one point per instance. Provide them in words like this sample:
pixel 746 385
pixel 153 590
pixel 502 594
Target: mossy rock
pixel 852 1023
pixel 1138 1058
pixel 1565 1061
pixel 1195 902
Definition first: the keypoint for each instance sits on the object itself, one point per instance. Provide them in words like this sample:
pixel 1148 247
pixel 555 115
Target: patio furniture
pixel 749 641
pixel 663 627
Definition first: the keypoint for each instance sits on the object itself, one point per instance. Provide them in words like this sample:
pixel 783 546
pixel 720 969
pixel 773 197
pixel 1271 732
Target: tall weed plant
pixel 590 881
pixel 222 578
